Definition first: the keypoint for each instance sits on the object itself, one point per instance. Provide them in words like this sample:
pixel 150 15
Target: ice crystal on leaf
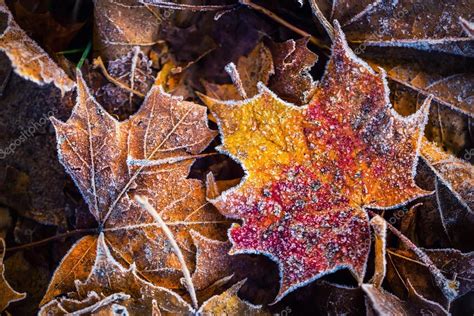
pixel 311 171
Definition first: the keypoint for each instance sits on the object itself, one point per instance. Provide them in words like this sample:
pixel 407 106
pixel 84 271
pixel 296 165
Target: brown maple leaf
pixel 28 59
pixel 251 69
pixel 149 155
pixel 7 293
pixel 311 171
pixel 284 67
pixel 111 286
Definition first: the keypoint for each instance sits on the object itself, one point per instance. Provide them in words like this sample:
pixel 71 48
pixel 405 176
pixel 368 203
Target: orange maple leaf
pixel 311 171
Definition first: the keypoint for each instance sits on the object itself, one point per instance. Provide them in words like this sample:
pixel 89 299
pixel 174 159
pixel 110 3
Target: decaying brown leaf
pixel 292 60
pixel 453 263
pixel 7 294
pixel 132 71
pixel 43 26
pixel 384 303
pixel 28 59
pixel 284 67
pixel 454 91
pixel 250 70
pixel 419 24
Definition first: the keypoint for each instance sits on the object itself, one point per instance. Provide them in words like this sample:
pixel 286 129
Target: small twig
pixel 181 6
pixel 290 26
pixel 99 63
pixel 448 287
pixel 187 275
pixel 47 240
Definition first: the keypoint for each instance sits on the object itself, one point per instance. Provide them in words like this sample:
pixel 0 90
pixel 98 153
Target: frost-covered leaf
pixel 311 171
pixel 212 262
pixel 228 303
pixel 250 70
pixel 456 174
pixel 28 59
pixel 76 265
pixel 453 264
pixel 111 286
pixel 292 60
pixel 108 278
pixel 149 155
pixel 379 226
pixel 122 24
pixel 384 303
pixel 421 24
pixel 133 70
pixel 7 293
pixel 284 67
pixel 454 91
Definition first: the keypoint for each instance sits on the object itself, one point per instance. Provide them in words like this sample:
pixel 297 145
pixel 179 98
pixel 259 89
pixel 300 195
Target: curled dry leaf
pixel 384 303
pixel 7 293
pixel 28 59
pixel 454 173
pixel 303 198
pixel 284 67
pixel 293 60
pixel 379 226
pixel 250 70
pixel 150 154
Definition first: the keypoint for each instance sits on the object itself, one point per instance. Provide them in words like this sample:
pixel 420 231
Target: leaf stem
pixel 47 240
pixel 187 275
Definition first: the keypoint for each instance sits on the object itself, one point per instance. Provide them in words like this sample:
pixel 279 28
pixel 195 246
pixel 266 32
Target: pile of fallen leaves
pixel 236 158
